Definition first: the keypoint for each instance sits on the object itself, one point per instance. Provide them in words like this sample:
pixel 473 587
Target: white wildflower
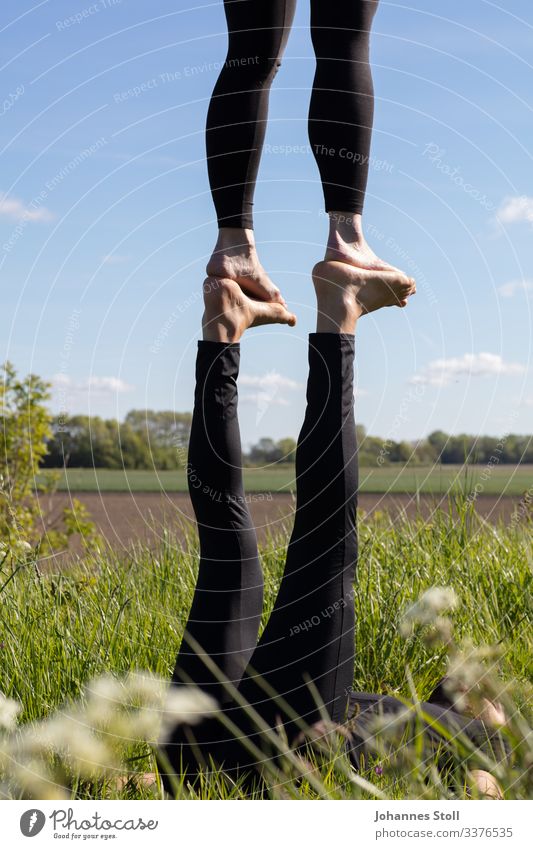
pixel 9 710
pixel 187 704
pixel 426 610
pixel 37 782
pixel 69 736
pixel 145 687
pixel 89 736
pixel 164 707
pixel 106 687
pixel 184 705
pixel 136 725
pixel 106 695
pixel 439 599
pixel 467 669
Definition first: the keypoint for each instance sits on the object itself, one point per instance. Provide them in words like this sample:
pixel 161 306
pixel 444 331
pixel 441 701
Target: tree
pixel 166 434
pixel 25 428
pixel 400 452
pixel 264 451
pixel 438 440
pixel 269 451
pixel 287 450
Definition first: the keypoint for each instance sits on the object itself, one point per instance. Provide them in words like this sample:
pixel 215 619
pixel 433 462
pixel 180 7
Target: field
pixel 130 506
pixel 114 611
pixel 498 480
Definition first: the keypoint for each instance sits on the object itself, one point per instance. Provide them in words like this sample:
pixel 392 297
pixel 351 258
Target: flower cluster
pixel 88 738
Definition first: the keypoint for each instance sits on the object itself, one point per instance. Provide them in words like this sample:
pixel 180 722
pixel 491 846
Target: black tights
pixel 340 112
pixel 310 634
pixel 306 652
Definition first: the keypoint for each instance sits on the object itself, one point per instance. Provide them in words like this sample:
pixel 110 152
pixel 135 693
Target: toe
pixel 287 317
pixel 283 315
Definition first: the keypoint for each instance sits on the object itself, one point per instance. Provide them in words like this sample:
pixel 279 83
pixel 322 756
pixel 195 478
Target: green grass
pixel 499 480
pixel 116 611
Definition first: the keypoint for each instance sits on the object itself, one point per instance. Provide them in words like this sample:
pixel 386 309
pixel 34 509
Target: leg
pixel 226 609
pixel 341 114
pixel 227 604
pixel 236 124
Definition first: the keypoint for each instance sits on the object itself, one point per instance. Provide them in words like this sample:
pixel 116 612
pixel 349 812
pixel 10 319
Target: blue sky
pixel 106 220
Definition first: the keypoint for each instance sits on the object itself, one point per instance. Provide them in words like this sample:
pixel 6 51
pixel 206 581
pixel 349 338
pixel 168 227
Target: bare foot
pixel 146 779
pixel 492 713
pixel 344 294
pixel 459 697
pixel 486 784
pixel 346 243
pixel 229 311
pixel 235 258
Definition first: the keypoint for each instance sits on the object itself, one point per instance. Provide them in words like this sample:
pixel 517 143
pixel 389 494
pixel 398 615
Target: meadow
pixel 500 480
pixel 111 612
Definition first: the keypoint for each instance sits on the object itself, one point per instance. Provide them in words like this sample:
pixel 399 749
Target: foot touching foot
pixel 344 294
pixel 235 258
pixel 229 311
pixel 346 243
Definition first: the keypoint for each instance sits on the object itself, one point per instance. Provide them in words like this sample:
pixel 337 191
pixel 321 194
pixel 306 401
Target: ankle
pixel 222 318
pixel 345 227
pixel 337 313
pixel 236 237
pixel 221 330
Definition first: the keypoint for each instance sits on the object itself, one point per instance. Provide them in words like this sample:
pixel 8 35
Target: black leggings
pixel 340 113
pixel 310 633
pixel 306 651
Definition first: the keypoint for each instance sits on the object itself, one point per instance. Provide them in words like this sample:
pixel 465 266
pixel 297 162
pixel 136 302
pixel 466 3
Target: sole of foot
pixel 229 311
pixel 339 285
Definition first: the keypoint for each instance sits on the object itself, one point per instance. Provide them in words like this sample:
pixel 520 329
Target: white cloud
pixel 515 209
pixel 444 371
pixel 269 386
pixel 264 399
pixel 16 209
pixel 114 259
pixel 507 290
pixel 93 385
pixel 271 379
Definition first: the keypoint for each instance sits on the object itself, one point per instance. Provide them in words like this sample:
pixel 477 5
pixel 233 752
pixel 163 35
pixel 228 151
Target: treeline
pixel 158 439
pixel 438 447
pixel 146 439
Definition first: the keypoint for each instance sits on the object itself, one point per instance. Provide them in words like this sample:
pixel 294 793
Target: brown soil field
pixel 124 518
